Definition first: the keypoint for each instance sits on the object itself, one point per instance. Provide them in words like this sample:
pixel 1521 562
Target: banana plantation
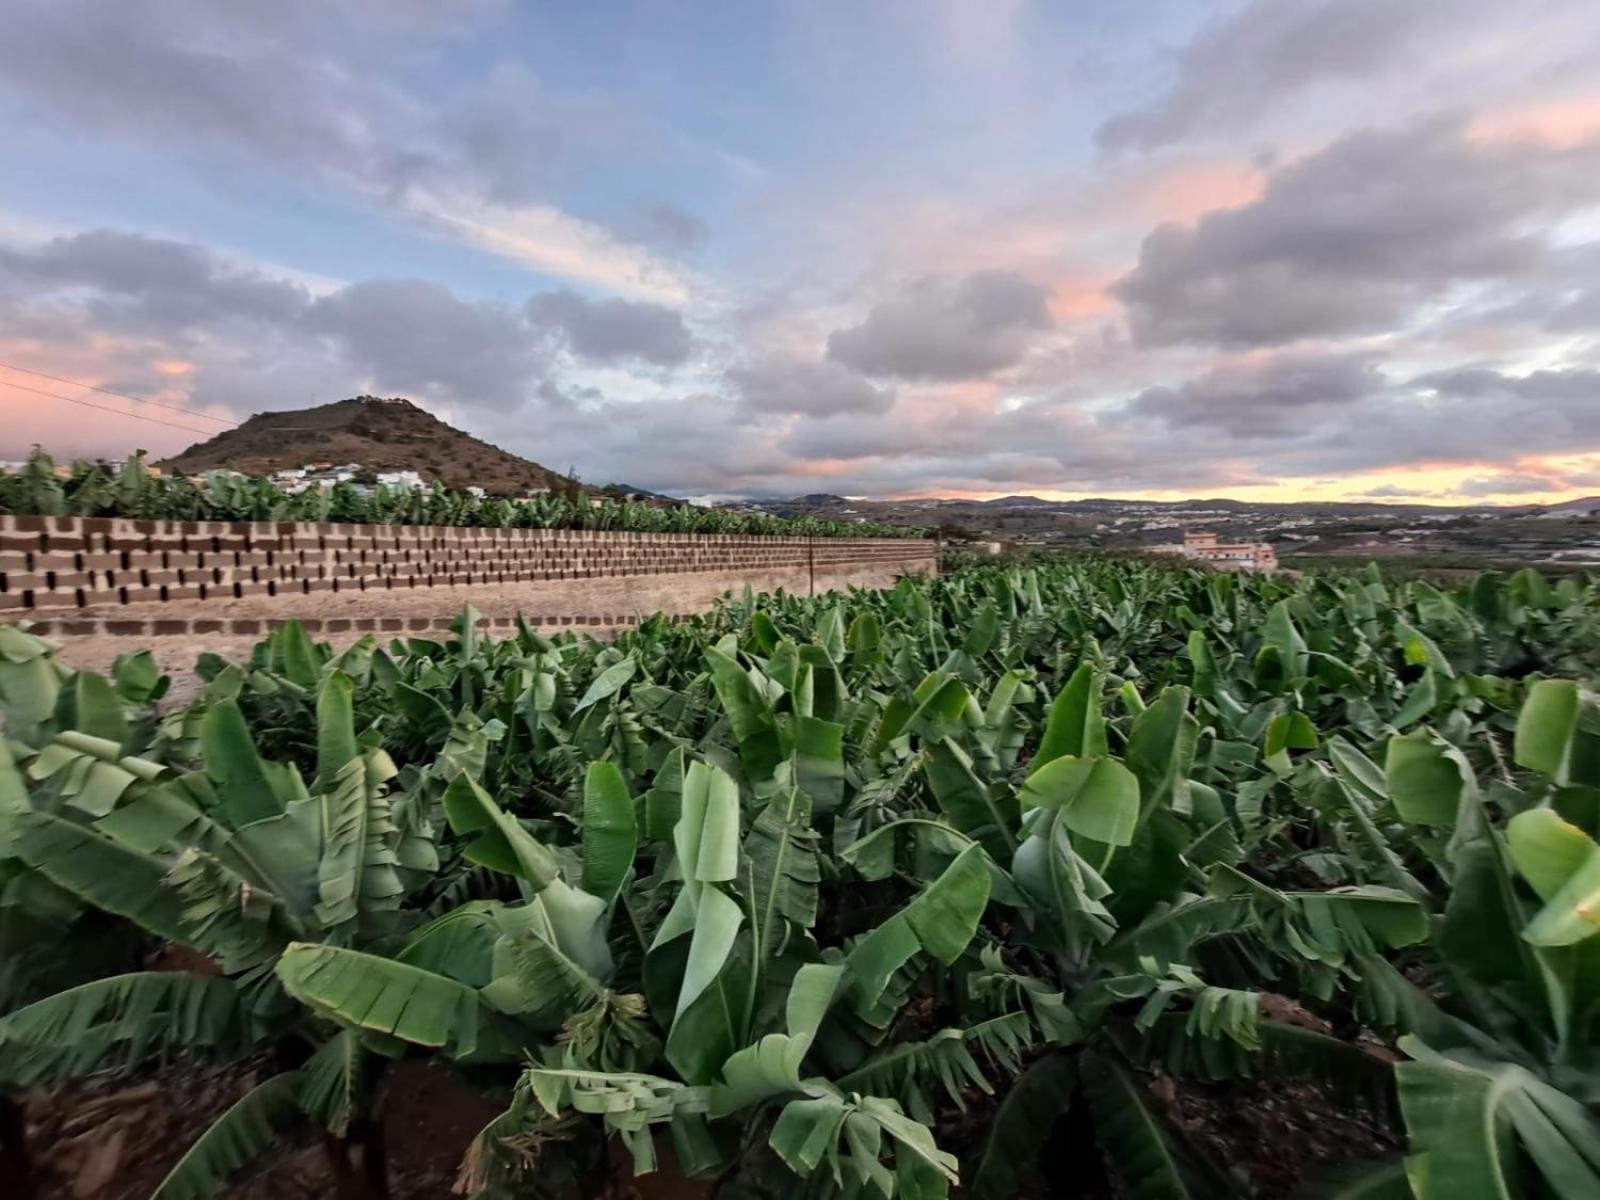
pixel 91 490
pixel 963 888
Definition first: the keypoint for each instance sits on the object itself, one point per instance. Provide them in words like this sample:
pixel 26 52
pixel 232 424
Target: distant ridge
pixel 381 434
pixel 1583 506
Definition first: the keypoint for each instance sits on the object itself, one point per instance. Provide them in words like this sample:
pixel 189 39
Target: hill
pixel 381 434
pixel 1586 506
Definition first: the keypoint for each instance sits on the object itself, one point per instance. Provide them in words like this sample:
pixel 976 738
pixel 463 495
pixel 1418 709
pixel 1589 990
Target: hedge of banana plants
pixel 868 895
pixel 90 490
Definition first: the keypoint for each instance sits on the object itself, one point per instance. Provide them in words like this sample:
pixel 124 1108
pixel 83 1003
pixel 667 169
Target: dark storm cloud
pixel 133 283
pixel 1234 72
pixel 1353 238
pixel 1478 415
pixel 816 388
pixel 1275 398
pixel 411 334
pixel 944 328
pixel 612 331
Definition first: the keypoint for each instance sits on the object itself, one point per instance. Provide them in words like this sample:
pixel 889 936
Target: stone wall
pixel 115 575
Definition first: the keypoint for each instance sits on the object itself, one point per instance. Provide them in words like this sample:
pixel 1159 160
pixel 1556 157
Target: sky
pixel 1269 249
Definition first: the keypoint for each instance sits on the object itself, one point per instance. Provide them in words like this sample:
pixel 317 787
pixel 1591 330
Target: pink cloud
pixel 91 424
pixel 1557 125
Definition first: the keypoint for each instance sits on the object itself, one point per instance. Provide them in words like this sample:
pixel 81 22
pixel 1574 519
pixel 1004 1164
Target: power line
pixel 121 412
pixel 112 392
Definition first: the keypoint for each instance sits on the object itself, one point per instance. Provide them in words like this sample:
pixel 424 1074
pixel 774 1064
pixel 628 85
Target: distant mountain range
pixel 816 501
pixel 394 434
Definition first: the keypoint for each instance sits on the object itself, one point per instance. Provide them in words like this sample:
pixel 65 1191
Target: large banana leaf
pixel 13 797
pixel 1427 779
pixel 380 995
pixel 783 874
pixel 119 1020
pixel 90 773
pixel 750 714
pixel 609 682
pixel 609 831
pixel 1562 863
pixel 1557 733
pixel 239 1136
pixel 336 733
pixel 849 1135
pixel 1022 1125
pixel 1062 884
pixel 550 958
pixel 1076 727
pixel 692 955
pixel 1142 1149
pixel 986 812
pixel 1096 797
pixel 101 872
pixel 1468 1118
pixel 1161 750
pixel 940 921
pixel 248 788
pixel 30 682
pixel 502 843
pixel 357 873
pixel 771 1066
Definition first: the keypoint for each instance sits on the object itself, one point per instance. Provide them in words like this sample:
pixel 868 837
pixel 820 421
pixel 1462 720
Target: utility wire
pixel 121 412
pixel 112 392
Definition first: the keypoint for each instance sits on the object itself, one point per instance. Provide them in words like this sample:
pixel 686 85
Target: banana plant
pixel 739 992
pixel 94 490
pixel 1501 1087
pixel 243 864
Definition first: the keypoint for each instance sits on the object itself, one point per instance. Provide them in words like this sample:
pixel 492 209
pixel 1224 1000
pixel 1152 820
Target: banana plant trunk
pixel 16 1167
pixel 359 1160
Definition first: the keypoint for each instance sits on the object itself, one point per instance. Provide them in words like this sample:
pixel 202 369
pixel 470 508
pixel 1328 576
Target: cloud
pixel 550 241
pixel 944 328
pixel 1509 485
pixel 612 331
pixel 670 228
pixel 249 339
pixel 134 283
pixel 1390 491
pixel 1355 237
pixel 310 93
pixel 407 334
pixel 1361 419
pixel 1264 396
pixel 814 388
pixel 120 308
pixel 1241 67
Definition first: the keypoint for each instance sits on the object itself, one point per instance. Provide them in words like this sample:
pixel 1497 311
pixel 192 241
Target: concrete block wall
pixel 51 566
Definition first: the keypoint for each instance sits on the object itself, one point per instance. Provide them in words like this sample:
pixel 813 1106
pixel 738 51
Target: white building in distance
pixel 1226 556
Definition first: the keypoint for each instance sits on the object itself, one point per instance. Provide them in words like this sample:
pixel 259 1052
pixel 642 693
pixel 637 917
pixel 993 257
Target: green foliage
pixel 91 490
pixel 794 883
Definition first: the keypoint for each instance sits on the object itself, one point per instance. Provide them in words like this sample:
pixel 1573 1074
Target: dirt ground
pixel 115 1138
pixel 110 1138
